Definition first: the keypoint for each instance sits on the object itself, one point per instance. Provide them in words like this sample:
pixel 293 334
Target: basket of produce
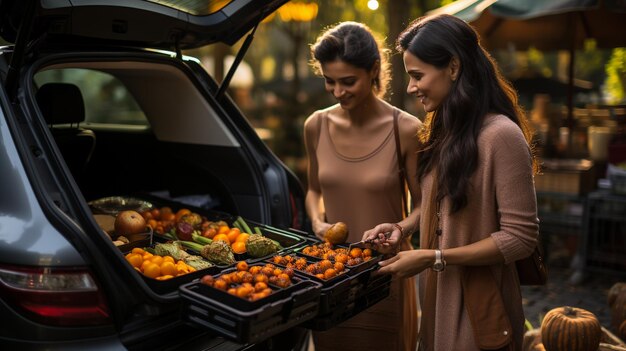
pixel 356 258
pixel 127 229
pixel 112 205
pixel 241 240
pixel 166 266
pixel 322 270
pixel 344 299
pixel 250 303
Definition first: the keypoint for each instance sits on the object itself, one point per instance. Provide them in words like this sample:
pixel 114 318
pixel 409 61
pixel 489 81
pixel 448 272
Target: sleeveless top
pixel 360 191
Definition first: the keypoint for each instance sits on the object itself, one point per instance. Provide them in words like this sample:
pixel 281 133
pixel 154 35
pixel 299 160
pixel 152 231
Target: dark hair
pixel 478 90
pixel 353 43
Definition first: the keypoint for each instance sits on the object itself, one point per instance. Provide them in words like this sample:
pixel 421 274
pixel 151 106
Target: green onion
pixel 200 239
pixel 192 245
pixel 244 225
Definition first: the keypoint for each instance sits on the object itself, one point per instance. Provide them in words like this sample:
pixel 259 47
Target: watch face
pixel 438 267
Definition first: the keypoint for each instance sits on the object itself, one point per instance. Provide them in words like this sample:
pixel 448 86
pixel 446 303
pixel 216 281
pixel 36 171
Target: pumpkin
pixel 570 329
pixel 617 303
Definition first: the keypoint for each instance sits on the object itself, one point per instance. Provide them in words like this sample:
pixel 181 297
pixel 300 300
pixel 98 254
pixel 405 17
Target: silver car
pixel 97 101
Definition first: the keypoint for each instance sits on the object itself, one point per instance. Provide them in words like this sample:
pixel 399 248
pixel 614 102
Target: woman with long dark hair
pixel 478 211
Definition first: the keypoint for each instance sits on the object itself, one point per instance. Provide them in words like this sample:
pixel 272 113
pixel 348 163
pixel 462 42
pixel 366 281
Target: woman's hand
pixel 320 228
pixel 407 263
pixel 382 243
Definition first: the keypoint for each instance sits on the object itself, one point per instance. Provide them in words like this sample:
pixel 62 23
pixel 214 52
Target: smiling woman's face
pixel 350 85
pixel 431 85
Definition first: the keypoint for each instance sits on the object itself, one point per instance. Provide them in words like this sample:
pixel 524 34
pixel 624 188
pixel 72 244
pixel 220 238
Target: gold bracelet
pixel 399 227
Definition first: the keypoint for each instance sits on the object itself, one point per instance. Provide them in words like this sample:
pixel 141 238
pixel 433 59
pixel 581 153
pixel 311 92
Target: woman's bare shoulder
pixel 408 124
pixel 312 120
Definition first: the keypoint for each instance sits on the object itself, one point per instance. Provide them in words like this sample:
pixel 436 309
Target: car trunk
pixel 184 144
pixel 188 152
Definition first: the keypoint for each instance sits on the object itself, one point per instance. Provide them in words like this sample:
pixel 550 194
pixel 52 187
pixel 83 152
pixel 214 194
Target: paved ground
pixel 590 294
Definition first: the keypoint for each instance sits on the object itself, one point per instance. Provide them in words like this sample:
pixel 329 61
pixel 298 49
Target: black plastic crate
pixel 172 284
pixel 287 241
pixel 604 245
pixel 343 275
pixel 342 301
pixel 250 321
pixel 354 268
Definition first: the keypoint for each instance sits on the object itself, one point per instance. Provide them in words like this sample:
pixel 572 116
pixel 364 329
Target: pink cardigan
pixel 501 204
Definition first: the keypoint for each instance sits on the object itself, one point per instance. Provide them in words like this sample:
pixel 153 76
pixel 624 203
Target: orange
pixel 330 273
pixel 135 260
pixel 152 270
pixel 145 264
pixel 242 266
pixel 168 216
pixel 181 213
pixel 169 268
pixel 168 259
pixel 138 250
pixel 158 260
pixel 156 213
pixel 222 237
pixel 239 247
pixel 209 233
pixel 232 234
pixel 152 223
pixel 182 267
pixel 356 252
pixel 223 229
pixel 243 237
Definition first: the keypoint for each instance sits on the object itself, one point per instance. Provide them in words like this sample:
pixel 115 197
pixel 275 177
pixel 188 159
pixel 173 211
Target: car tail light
pixel 55 296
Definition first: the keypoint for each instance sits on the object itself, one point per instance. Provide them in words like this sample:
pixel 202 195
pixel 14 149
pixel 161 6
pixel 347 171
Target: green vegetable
pixel 258 230
pixel 244 225
pixel 218 252
pixel 260 246
pixel 171 234
pixel 197 262
pixel 170 249
pixel 238 226
pixel 278 245
pixel 192 245
pixel 195 236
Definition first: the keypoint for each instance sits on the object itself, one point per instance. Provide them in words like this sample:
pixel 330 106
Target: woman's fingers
pixel 404 264
pixel 373 233
pixel 389 261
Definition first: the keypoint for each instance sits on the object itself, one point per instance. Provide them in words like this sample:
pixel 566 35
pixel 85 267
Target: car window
pixel 107 101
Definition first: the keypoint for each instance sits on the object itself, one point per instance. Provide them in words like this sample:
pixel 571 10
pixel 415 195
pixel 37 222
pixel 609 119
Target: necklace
pixel 438 231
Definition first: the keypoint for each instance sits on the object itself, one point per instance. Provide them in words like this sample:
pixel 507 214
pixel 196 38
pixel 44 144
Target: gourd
pixel 570 329
pixel 617 303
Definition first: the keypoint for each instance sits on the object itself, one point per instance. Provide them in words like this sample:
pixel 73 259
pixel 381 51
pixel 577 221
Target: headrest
pixel 61 103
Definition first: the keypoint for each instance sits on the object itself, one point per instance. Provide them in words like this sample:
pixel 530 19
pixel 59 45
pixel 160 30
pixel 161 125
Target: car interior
pixel 180 147
pixel 64 110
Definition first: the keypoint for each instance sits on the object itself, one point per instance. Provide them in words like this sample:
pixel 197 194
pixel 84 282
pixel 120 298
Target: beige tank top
pixel 361 191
